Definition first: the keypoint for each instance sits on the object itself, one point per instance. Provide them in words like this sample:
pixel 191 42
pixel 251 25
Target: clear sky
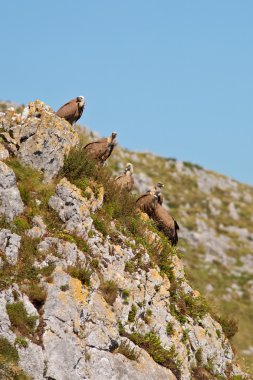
pixel 174 77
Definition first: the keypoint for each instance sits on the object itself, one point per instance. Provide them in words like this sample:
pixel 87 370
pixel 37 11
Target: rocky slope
pixel 88 288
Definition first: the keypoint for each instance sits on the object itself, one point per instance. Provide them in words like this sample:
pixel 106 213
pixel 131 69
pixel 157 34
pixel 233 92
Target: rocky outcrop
pixel 11 204
pixel 38 137
pixel 108 304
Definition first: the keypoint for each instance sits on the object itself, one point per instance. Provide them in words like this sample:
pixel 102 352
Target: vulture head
pixel 159 186
pixel 129 169
pixel 112 138
pixel 80 100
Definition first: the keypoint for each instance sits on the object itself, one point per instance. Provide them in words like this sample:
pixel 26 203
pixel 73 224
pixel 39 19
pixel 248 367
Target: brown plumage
pixel 101 149
pixel 72 111
pixel 157 190
pixel 126 181
pixel 166 223
pixel 147 203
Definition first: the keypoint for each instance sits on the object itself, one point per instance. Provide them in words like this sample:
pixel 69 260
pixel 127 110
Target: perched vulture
pixel 166 223
pixel 126 181
pixel 157 190
pixel 101 149
pixel 72 111
pixel 147 203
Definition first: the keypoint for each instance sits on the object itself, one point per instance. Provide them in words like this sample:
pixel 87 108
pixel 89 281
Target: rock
pixel 31 360
pixel 39 228
pixel 72 208
pixel 11 203
pixel 60 253
pixel 4 154
pixel 9 245
pixel 103 365
pixel 39 137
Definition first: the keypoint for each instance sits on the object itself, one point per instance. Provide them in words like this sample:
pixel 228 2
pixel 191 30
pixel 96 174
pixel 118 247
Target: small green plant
pixel 21 224
pixel 151 343
pixel 132 313
pixel 8 353
pixel 192 166
pixel 199 356
pixel 130 266
pixel 126 350
pixel 185 336
pixel 82 274
pixel 100 225
pixel 229 326
pixel 64 288
pixel 170 328
pixel 147 316
pixel 19 318
pixel 125 293
pixel 21 342
pixel 94 263
pixel 109 290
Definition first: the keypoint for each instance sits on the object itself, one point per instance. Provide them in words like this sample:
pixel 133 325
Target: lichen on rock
pixel 38 137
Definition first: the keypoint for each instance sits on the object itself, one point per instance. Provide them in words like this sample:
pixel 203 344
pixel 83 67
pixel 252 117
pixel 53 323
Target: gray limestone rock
pixel 9 245
pixel 11 203
pixel 39 137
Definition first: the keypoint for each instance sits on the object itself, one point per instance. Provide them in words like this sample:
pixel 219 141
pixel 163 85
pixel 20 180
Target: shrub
pixel 229 325
pixel 198 356
pixel 151 343
pixel 82 274
pixel 132 313
pixel 21 342
pixel 100 224
pixel 125 293
pixel 147 316
pixel 170 329
pixel 109 290
pixel 196 307
pixel 8 353
pixel 130 266
pixel 126 350
pixel 64 288
pixel 19 318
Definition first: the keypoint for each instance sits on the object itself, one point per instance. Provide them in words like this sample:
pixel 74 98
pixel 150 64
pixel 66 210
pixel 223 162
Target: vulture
pixel 72 111
pixel 166 223
pixel 101 149
pixel 157 190
pixel 126 181
pixel 147 203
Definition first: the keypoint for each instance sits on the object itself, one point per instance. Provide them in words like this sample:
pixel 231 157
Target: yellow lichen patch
pixel 144 216
pixel 196 293
pixel 79 294
pixel 199 333
pixel 154 275
pixel 118 249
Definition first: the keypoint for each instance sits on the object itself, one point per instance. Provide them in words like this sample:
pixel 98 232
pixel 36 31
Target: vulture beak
pixel 114 135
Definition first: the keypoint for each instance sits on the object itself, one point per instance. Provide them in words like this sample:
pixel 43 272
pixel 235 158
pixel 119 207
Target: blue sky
pixel 171 77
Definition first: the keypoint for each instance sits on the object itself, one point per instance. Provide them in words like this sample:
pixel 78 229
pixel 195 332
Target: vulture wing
pixel 160 199
pixel 146 203
pixel 96 149
pixel 125 182
pixel 166 223
pixel 68 110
